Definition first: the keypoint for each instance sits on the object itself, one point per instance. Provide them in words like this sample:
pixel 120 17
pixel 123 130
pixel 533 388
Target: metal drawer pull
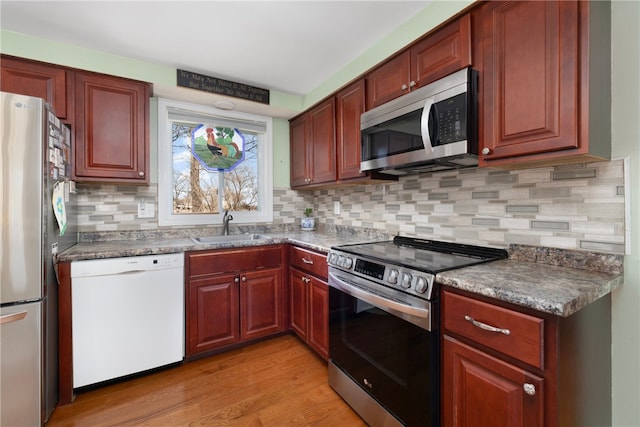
pixel 486 327
pixel 307 261
pixel 530 389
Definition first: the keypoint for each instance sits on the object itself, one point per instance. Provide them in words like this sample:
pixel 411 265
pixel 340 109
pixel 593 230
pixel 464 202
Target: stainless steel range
pixel 383 329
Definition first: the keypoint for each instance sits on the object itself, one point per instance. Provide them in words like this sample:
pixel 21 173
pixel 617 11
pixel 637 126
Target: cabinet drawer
pixel 230 260
pixel 310 261
pixel 524 340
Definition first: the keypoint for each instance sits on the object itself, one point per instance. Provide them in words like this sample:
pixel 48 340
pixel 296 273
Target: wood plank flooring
pixel 279 382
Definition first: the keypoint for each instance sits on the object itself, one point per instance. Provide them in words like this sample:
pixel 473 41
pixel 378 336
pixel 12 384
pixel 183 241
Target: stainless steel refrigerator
pixel 35 197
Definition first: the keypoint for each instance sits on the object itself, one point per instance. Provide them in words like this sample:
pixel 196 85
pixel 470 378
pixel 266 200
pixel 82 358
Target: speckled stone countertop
pixel 547 288
pixel 123 248
pixel 550 281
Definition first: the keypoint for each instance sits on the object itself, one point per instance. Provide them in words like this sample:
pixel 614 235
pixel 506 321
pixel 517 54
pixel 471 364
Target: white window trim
pixel 165 168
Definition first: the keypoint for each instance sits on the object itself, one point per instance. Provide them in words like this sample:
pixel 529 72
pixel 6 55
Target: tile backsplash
pixel 570 207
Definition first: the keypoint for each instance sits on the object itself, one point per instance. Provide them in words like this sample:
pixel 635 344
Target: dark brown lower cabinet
pixel 233 296
pixel 298 291
pixel 309 310
pixel 486 391
pixel 213 313
pixel 510 366
pixel 309 298
pixel 318 337
pixel 261 303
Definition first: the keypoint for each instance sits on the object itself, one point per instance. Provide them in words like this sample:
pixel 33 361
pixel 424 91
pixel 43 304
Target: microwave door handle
pixel 424 125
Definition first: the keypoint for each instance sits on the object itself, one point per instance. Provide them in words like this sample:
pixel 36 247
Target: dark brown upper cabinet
pixel 545 83
pixel 440 53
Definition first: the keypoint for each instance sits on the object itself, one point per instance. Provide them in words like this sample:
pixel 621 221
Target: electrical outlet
pixel 146 210
pixel 336 207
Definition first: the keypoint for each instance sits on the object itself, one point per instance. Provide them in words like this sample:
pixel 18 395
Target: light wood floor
pixel 279 382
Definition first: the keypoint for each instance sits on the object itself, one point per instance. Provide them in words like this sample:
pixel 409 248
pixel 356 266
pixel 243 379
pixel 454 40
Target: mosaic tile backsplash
pixel 570 207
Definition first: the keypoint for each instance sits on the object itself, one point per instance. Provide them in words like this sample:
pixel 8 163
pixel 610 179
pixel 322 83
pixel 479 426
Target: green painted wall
pixel 625 110
pixel 281 153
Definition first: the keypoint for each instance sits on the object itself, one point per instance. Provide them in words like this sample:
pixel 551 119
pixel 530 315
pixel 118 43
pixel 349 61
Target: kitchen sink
pixel 229 238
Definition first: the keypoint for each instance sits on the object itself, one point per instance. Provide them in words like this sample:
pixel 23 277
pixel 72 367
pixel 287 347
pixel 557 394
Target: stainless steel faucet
pixel 225 223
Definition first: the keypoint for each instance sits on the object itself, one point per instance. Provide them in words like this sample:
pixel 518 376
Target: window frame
pixel 165 167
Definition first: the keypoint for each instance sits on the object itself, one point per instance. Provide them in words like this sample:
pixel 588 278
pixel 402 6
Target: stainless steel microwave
pixel 431 128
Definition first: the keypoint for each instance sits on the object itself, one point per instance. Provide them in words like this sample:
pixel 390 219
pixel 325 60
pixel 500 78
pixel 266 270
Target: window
pixel 211 161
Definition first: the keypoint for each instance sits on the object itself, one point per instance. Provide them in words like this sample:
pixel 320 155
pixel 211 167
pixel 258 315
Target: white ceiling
pixel 286 46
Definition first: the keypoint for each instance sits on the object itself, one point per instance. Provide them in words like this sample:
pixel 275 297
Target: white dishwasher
pixel 127 315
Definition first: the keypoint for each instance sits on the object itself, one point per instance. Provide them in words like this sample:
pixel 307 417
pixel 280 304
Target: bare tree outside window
pixel 197 189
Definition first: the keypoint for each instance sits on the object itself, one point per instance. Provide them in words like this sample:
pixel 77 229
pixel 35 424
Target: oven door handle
pixel 417 315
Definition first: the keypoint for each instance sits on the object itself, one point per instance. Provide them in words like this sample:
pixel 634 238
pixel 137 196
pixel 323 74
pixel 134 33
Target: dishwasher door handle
pixel 130 272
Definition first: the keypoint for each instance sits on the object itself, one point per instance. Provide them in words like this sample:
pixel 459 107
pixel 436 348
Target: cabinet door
pixel 530 79
pixel 299 156
pixel 322 141
pixel 318 335
pixel 261 303
pixel 212 313
pixel 350 104
pixel 389 81
pixel 438 54
pixel 480 390
pixel 37 79
pixel 112 129
pixel 442 53
pixel 298 302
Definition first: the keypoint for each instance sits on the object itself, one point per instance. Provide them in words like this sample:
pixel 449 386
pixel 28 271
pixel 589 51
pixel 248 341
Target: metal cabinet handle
pixel 530 389
pixel 486 327
pixel 244 278
pixel 140 173
pixel 486 151
pixel 412 83
pixel 237 279
pixel 404 87
pixel 307 261
pixel 14 317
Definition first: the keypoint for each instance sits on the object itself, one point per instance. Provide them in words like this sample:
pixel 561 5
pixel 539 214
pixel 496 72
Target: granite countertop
pixel 547 288
pixel 122 248
pixel 553 289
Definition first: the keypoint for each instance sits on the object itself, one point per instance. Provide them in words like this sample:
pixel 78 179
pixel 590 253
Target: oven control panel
pixel 414 282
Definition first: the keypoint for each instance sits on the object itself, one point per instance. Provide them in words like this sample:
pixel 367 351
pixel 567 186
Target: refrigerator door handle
pixel 14 317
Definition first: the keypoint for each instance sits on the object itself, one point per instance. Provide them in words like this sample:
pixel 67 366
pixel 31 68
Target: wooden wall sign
pixel 223 87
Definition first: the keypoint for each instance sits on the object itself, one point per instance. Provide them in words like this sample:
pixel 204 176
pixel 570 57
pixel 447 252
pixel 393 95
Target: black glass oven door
pixel 393 360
